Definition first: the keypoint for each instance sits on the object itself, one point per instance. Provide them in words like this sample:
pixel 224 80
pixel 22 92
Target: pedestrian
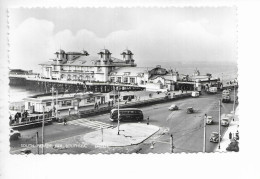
pixel 16 117
pixel 108 103
pixel 26 114
pixel 230 135
pixel 69 111
pixel 112 103
pixel 182 91
pixel 10 120
pixel 65 121
pixel 148 120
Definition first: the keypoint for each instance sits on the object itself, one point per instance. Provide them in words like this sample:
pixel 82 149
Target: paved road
pixel 187 129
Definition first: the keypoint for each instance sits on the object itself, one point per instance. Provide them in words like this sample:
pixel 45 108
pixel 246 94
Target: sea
pixel 225 72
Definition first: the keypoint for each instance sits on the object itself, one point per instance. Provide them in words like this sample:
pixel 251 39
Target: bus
pixel 125 114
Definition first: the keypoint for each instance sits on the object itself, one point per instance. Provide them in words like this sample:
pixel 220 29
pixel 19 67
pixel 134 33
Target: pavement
pixel 129 134
pixel 233 128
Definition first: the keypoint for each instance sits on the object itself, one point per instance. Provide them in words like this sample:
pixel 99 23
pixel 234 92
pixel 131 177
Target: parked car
pixel 225 121
pixel 209 120
pixel 25 151
pixel 195 94
pixel 173 107
pixel 214 137
pixel 190 110
pixel 14 134
pixel 213 90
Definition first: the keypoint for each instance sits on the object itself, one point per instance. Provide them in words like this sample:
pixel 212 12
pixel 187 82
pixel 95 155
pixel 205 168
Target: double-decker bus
pixel 131 114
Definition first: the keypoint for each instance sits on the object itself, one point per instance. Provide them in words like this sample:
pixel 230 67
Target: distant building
pixel 131 75
pixel 151 78
pixel 20 72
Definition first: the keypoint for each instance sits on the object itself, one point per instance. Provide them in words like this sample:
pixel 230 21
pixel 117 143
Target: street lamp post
pixel 43 119
pixel 56 104
pixel 234 102
pixel 37 145
pixel 118 114
pixel 172 147
pixel 52 103
pixel 219 126
pixel 204 139
pixel 114 95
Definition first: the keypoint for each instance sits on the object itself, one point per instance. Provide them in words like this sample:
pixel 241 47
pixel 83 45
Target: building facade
pixel 78 66
pixel 81 67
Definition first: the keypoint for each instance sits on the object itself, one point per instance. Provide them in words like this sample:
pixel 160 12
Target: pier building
pixel 77 66
pixel 81 72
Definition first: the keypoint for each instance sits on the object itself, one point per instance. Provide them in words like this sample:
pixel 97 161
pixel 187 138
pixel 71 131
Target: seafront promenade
pixel 143 99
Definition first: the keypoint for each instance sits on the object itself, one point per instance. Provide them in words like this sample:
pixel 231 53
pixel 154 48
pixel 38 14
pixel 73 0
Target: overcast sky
pixel 154 35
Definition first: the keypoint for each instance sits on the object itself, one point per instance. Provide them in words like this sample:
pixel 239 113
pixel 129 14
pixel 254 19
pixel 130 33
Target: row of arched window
pixel 76 77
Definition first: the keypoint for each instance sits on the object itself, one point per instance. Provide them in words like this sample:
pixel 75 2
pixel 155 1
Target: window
pixel 119 79
pixel 125 80
pixel 48 104
pixel 112 79
pixel 132 80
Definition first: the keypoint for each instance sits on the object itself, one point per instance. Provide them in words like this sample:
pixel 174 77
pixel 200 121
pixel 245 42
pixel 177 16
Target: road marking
pixel 89 123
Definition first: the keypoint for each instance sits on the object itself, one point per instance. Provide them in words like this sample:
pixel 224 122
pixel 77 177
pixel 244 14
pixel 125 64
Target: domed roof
pixel 127 52
pixel 60 51
pixel 104 51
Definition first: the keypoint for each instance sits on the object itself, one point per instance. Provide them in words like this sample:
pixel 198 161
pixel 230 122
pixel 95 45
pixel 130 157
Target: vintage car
pixel 224 122
pixel 214 137
pixel 190 110
pixel 213 90
pixel 209 120
pixel 25 151
pixel 14 134
pixel 195 94
pixel 173 107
